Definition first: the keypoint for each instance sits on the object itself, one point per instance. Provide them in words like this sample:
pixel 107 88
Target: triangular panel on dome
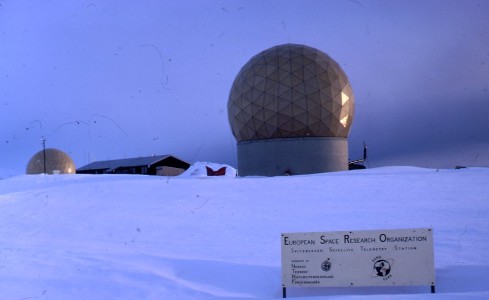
pixel 314 109
pixel 271 61
pixel 287 128
pixel 348 90
pixel 326 100
pixel 282 119
pixel 333 78
pixel 334 69
pixel 270 116
pixel 285 67
pixel 310 64
pixel 299 128
pixel 270 103
pixel 285 78
pixel 326 114
pixel 280 51
pixel 243 118
pixel 234 94
pixel 280 103
pixel 295 51
pixel 299 95
pixel 264 130
pixel 311 86
pixel 297 77
pixel 315 127
pixel 337 103
pixel 258 111
pixel 271 128
pixel 260 70
pixel 321 67
pixel 308 58
pixel 333 125
pixel 257 60
pixel 336 95
pixel 301 102
pixel 324 61
pixel 245 133
pixel 249 81
pixel 247 112
pixel 276 134
pixel 337 108
pixel 285 107
pixel 271 119
pixel 310 73
pixel 343 81
pixel 273 73
pixel 313 96
pixel 282 89
pixel 258 97
pixel 323 80
pixel 271 87
pixel 325 130
pixel 286 95
pixel 302 118
pixel 296 81
pixel 247 96
pixel 259 83
pixel 283 60
pixel 296 64
pixel 345 120
pixel 260 131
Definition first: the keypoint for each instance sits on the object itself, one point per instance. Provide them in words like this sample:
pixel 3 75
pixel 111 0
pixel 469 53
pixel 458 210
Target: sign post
pixel 398 257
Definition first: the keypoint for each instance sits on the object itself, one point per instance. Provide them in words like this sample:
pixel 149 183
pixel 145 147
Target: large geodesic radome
pixel 57 162
pixel 290 109
pixel 290 91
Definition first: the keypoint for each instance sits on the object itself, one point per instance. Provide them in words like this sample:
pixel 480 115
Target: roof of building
pixel 126 162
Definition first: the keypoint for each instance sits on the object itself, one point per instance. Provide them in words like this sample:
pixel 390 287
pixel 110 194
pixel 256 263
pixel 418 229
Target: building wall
pixel 169 171
pixel 168 162
pixel 275 157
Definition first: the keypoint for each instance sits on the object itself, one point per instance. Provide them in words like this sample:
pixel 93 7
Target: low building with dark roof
pixel 163 165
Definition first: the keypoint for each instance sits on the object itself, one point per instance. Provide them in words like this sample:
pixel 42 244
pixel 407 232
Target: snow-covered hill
pixel 197 237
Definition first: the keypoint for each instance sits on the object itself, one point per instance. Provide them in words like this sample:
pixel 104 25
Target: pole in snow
pixel 44 152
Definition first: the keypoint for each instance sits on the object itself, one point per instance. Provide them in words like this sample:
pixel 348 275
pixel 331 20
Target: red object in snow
pixel 220 172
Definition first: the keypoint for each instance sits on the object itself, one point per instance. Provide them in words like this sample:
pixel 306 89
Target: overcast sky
pixel 114 79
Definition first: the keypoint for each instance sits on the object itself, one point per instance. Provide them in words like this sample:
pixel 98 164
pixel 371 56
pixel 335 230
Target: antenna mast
pixel 43 140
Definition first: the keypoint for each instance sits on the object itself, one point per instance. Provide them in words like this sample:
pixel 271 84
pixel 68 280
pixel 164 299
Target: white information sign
pixel 358 258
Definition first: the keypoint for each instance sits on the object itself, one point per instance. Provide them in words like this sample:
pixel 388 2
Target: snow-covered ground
pixel 197 237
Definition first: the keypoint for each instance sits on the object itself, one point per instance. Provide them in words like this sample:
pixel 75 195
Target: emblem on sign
pixel 326 265
pixel 382 267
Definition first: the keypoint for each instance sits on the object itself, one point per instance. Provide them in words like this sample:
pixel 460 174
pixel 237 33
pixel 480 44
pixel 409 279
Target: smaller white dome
pixel 57 162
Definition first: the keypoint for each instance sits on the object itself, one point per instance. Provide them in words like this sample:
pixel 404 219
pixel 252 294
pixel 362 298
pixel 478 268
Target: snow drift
pixel 149 237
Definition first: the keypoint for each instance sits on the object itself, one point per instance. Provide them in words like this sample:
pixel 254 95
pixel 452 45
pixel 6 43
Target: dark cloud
pixel 157 75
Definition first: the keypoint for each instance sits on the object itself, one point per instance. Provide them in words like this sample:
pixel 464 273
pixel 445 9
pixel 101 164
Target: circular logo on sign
pixel 382 267
pixel 326 265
